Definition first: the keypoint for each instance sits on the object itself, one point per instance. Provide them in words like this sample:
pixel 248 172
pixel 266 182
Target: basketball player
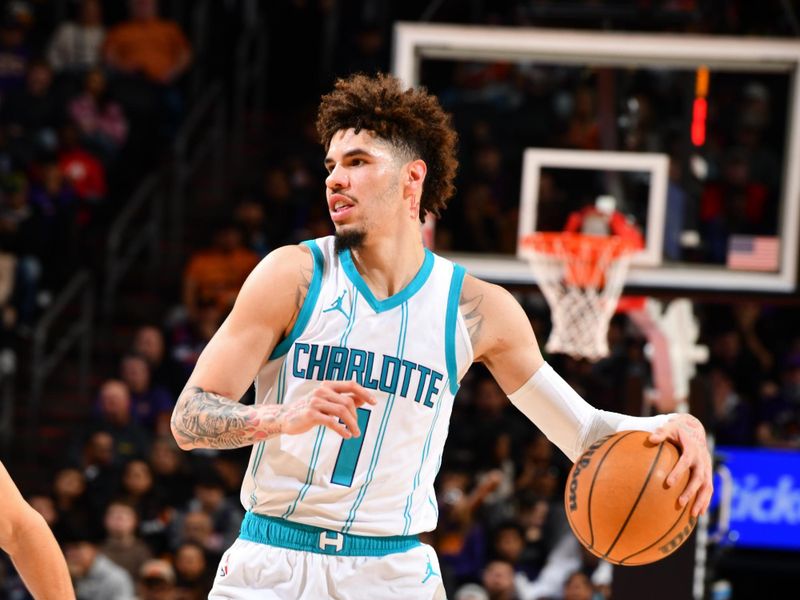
pixel 27 539
pixel 357 343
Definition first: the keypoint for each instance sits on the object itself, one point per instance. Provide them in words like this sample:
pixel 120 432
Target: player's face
pixel 363 184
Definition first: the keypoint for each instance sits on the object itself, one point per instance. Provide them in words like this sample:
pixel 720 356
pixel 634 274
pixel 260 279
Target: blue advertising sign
pixel 765 509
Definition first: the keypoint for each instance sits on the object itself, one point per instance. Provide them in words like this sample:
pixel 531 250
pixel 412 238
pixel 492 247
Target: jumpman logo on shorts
pixel 429 571
pixel 337 305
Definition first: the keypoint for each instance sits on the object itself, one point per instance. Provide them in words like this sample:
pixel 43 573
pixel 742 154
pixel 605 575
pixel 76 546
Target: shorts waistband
pixel 296 536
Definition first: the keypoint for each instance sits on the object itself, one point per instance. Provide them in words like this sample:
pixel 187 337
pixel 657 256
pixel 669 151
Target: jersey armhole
pixel 451 317
pixel 308 303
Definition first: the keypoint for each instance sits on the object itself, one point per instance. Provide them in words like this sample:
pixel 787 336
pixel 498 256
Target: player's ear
pixel 415 175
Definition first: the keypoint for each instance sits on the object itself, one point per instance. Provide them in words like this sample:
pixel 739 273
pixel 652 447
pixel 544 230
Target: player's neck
pixel 389 263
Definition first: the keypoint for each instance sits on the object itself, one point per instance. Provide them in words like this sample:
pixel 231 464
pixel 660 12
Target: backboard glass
pixel 731 158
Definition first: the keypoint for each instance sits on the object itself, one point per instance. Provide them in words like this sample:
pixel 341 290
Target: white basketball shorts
pixel 275 559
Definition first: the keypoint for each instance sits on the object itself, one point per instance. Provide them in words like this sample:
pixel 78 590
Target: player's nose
pixel 336 179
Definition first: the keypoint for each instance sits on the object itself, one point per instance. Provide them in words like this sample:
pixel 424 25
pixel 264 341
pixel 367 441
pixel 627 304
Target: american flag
pixel 753 253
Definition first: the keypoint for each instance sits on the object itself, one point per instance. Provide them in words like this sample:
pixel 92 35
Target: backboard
pixel 724 111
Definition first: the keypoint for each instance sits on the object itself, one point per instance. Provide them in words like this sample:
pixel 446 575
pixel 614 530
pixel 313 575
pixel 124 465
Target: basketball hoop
pixel 582 277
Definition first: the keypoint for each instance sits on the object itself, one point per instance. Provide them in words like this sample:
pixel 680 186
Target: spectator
pixel 732 415
pixel 156 581
pixel 148 45
pixel 583 131
pixel 226 515
pixel 95 577
pixel 171 477
pixel 508 544
pixel 461 535
pixel 191 333
pixel 14 53
pixel 85 174
pixel 250 217
pixel 779 422
pixel 579 587
pixel 146 56
pixel 217 273
pixel 195 574
pixel 45 506
pixel 121 544
pixel 498 581
pixel 138 489
pixel 151 404
pixel 148 341
pixel 71 502
pixel 471 591
pixel 101 121
pixel 198 528
pixel 97 461
pixel 55 204
pixel 20 236
pixel 116 418
pixel 75 45
pixel 34 113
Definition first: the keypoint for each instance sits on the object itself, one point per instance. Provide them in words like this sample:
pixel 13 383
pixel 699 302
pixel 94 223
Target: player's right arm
pixel 27 539
pixel 502 339
pixel 208 413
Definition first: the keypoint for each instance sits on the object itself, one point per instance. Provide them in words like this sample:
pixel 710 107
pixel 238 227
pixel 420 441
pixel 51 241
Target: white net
pixel 582 278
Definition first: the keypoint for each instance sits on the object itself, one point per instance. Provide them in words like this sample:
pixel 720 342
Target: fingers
pixel 694 484
pixel 657 436
pixel 356 391
pixel 703 499
pixel 683 464
pixel 341 399
pixel 335 416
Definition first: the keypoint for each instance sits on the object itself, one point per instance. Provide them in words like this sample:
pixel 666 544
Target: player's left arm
pixel 503 339
pixel 27 538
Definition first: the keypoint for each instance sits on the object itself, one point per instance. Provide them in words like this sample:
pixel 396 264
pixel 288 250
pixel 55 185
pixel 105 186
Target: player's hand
pixel 333 404
pixel 688 433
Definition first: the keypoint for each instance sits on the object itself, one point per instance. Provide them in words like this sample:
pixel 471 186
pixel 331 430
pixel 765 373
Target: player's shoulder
pixel 490 312
pixel 490 293
pixel 283 266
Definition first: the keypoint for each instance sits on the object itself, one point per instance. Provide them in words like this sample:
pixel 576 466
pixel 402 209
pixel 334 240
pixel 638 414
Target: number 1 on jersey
pixel 345 468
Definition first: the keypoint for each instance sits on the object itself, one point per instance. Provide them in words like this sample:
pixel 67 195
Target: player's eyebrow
pixel 329 162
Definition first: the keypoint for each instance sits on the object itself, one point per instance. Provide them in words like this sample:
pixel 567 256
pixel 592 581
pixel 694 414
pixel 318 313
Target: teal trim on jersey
pixel 351 320
pixel 259 451
pixel 308 304
pixel 425 450
pixel 310 475
pixel 450 319
pixel 401 344
pixel 392 301
pixel 281 533
pixel 435 508
pixel 344 469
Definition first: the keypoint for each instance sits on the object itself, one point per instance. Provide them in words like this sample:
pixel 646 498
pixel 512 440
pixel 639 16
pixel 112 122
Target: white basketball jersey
pixel 410 350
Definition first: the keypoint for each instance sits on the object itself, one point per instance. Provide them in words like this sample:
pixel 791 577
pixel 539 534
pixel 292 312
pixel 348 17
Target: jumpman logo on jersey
pixel 429 571
pixel 337 305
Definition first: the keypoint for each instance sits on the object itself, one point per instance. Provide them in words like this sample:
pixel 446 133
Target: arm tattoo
pixel 206 420
pixel 473 317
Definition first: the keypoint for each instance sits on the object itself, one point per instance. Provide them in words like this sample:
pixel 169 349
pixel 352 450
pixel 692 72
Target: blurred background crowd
pixel 92 98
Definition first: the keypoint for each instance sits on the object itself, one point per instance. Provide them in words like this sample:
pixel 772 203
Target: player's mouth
pixel 340 206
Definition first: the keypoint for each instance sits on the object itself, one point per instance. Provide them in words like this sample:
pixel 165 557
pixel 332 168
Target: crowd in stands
pixel 136 516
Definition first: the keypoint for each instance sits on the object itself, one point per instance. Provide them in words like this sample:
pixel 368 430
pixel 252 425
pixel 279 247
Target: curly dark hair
pixel 412 120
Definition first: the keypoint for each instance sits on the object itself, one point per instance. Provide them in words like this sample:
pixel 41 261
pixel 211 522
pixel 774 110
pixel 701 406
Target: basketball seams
pixel 594 480
pixel 638 499
pixel 659 540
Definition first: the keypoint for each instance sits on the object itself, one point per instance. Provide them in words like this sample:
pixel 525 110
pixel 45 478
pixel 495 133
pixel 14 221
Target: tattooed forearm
pixel 206 420
pixel 473 317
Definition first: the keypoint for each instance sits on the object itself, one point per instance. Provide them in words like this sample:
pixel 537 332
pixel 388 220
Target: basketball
pixel 618 503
